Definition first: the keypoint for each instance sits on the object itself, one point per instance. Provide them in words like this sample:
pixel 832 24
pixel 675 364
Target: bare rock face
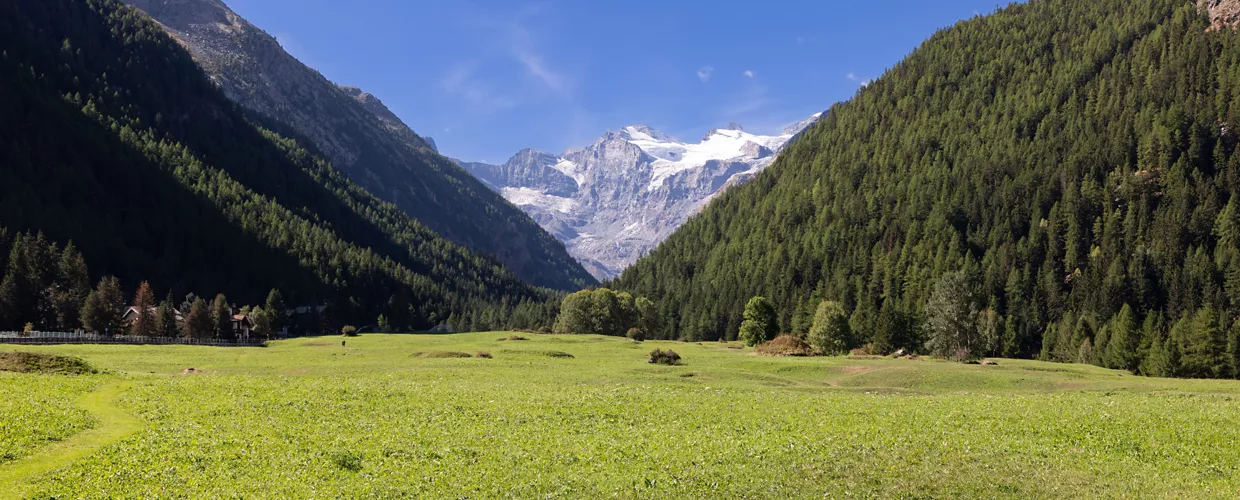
pixel 1224 14
pixel 615 200
pixel 363 139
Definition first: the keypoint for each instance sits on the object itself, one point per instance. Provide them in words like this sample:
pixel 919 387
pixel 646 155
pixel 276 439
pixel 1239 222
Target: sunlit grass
pixel 311 418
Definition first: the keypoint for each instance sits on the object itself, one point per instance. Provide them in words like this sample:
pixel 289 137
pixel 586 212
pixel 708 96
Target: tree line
pixel 1073 166
pixel 44 287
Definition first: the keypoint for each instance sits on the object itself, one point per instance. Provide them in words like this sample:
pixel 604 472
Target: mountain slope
pixel 615 200
pixel 116 140
pixel 1070 157
pixel 363 139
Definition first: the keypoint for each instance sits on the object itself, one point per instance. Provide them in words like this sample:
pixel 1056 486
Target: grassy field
pixel 309 418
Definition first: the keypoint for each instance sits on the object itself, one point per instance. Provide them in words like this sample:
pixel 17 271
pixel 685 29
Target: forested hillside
pixel 1063 174
pixel 379 153
pixel 116 140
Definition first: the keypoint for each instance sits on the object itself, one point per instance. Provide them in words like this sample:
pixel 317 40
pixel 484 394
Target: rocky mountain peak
pixel 1223 13
pixel 643 133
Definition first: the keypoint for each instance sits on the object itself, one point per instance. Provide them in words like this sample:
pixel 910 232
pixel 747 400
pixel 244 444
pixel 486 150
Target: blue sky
pixel 488 78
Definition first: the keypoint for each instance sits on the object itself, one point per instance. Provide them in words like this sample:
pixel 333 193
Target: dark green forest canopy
pixel 115 139
pixel 1070 157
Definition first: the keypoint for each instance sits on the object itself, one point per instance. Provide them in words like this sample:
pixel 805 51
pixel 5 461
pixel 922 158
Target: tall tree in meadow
pixel 951 318
pixel 16 292
pixel 1204 346
pixel 830 333
pixel 276 310
pixel 104 307
pixel 73 285
pixel 144 324
pixel 166 319
pixel 576 314
pixel 198 323
pixel 760 322
pixel 1122 349
pixel 221 316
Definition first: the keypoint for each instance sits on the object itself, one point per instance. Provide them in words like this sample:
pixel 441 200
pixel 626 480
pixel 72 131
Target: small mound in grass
pixel 442 355
pixel 30 362
pixel 558 354
pixel 483 354
pixel 661 357
pixel 785 345
pixel 512 337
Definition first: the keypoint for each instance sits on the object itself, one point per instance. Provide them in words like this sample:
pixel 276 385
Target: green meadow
pixel 391 416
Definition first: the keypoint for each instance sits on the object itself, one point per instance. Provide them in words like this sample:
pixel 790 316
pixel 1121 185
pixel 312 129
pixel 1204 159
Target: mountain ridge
pixel 614 200
pixel 364 139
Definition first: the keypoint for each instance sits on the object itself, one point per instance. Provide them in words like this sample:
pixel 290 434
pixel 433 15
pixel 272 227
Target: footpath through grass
pixel 310 418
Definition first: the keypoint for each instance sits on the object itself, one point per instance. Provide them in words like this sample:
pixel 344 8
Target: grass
pixel 308 418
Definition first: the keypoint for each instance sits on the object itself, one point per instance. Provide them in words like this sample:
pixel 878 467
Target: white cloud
pixel 749 73
pixel 535 65
pixel 705 73
pixel 753 99
pixel 864 82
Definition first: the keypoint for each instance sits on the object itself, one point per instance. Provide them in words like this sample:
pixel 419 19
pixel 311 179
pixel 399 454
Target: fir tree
pixel 144 322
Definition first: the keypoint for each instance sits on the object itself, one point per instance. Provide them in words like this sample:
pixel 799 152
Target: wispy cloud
pixel 705 73
pixel 753 99
pixel 749 73
pixel 864 82
pixel 463 80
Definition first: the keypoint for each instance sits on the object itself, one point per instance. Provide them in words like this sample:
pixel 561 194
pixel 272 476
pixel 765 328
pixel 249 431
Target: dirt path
pixel 17 478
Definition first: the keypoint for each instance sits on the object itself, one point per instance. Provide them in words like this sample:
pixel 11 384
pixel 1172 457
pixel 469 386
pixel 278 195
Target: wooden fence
pixel 53 338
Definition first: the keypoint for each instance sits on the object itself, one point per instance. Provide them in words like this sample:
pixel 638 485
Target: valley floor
pixel 310 418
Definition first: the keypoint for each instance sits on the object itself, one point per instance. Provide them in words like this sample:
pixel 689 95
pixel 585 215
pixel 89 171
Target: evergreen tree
pixel 144 323
pixel 103 309
pixel 221 318
pixel 830 333
pixel 198 322
pixel 166 319
pixel 74 286
pixel 1122 351
pixel 951 318
pixel 1203 346
pixel 384 325
pixel 276 311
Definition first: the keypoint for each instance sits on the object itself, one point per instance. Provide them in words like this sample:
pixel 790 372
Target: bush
pixel 347 460
pixel 865 350
pixel 636 335
pixel 785 345
pixel 661 357
pixel 349 331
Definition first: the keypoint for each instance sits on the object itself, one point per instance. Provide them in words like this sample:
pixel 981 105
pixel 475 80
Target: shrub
pixel 661 357
pixel 28 329
pixel 349 331
pixel 636 335
pixel 865 350
pixel 347 460
pixel 558 354
pixel 483 354
pixel 785 345
pixel 830 333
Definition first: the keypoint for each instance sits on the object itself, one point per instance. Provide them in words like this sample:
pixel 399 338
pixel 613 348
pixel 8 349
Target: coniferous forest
pixel 1059 178
pixel 117 142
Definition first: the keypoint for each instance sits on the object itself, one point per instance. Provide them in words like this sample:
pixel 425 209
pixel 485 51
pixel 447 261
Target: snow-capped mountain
pixel 617 199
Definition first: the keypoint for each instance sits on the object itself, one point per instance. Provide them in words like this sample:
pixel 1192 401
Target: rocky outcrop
pixel 614 201
pixel 1224 14
pixel 364 139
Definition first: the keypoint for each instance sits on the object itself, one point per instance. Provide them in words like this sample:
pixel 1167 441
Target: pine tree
pixel 221 317
pixel 276 310
pixel 166 319
pixel 384 325
pixel 198 323
pixel 144 324
pixel 74 286
pixel 1203 346
pixel 951 317
pixel 1122 349
pixel 103 309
